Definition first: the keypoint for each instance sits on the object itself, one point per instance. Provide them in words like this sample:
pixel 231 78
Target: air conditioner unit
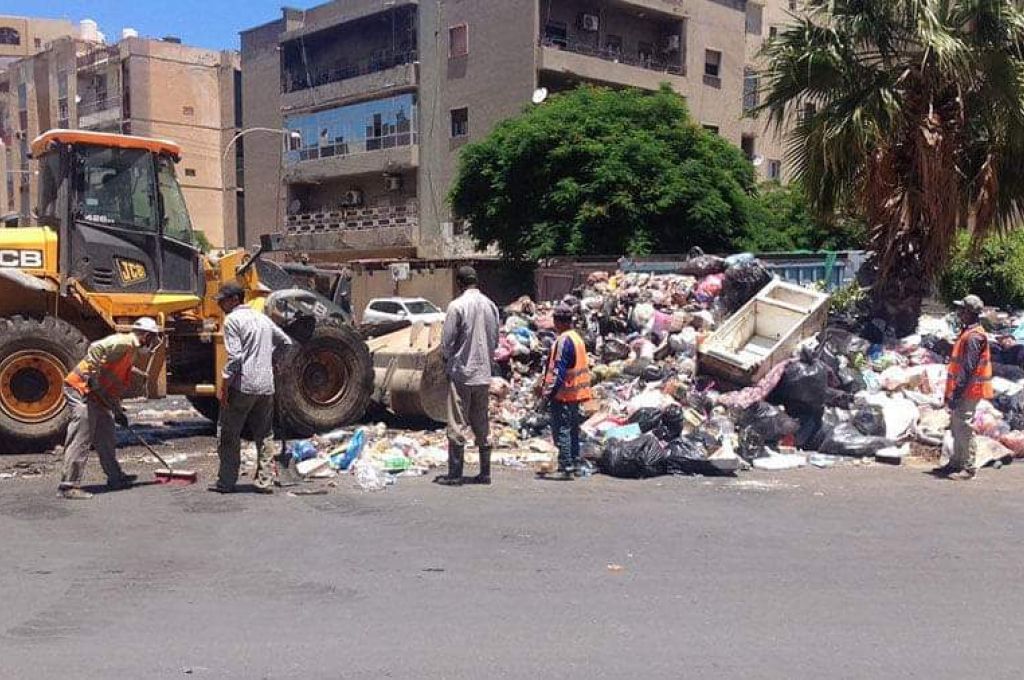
pixel 354 197
pixel 589 22
pixel 392 182
pixel 672 43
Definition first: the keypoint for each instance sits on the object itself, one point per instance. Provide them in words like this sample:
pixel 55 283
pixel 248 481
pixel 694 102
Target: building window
pixel 460 122
pixel 774 169
pixel 613 46
pixel 38 44
pixel 190 172
pixel 747 144
pixel 773 32
pixel 645 53
pixel 792 5
pixel 754 18
pixel 357 128
pixel 712 68
pixel 710 128
pixel 556 34
pixel 9 36
pixel 458 41
pixel 751 95
pixel 188 111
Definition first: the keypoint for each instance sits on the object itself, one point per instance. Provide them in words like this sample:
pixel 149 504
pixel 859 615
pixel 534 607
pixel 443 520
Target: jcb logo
pixel 22 259
pixel 131 272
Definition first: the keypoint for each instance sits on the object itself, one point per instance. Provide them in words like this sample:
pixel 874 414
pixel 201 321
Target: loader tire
pixel 325 382
pixel 35 355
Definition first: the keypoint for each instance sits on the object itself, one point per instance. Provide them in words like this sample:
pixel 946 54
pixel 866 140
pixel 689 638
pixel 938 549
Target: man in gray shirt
pixel 247 397
pixel 468 343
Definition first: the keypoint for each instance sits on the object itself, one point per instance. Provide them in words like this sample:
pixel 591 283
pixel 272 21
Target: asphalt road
pixel 853 572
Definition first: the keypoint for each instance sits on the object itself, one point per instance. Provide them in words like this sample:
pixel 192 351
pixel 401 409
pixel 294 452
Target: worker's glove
pixel 120 417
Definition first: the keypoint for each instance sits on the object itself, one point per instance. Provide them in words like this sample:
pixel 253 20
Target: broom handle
pixel 103 400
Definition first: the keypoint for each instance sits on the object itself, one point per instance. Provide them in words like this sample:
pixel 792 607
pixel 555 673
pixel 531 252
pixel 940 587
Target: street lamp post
pixel 290 134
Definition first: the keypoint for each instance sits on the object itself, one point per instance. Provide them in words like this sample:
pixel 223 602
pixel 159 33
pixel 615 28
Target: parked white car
pixel 383 310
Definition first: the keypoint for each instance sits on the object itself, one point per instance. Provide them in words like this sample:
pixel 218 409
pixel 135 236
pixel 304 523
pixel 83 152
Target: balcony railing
pixel 299 79
pixel 97 56
pixel 99 105
pixel 355 147
pixel 649 62
pixel 354 218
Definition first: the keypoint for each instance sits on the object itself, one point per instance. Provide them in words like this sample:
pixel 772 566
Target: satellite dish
pixel 757 160
pixel 539 95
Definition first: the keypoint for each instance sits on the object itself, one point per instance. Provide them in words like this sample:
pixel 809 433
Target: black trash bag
pixel 846 440
pixel 839 398
pixel 700 265
pixel 1012 407
pixel 768 421
pixel 741 283
pixel 940 346
pixel 1008 372
pixel 646 418
pixel 804 386
pixel 849 380
pixel 653 373
pixel 614 349
pixel 688 456
pixel 635 459
pixel 870 420
pixel 672 421
pixel 843 343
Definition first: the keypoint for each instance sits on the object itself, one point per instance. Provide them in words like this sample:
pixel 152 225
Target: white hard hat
pixel 145 324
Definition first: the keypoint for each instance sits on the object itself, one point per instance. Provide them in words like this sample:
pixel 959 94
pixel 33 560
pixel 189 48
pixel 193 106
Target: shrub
pixel 995 271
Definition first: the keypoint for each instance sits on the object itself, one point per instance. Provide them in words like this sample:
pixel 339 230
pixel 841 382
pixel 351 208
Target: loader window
pixel 177 224
pixel 116 187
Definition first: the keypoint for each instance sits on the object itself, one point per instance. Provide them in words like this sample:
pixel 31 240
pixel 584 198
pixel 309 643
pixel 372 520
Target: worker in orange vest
pixel 969 381
pixel 93 390
pixel 566 386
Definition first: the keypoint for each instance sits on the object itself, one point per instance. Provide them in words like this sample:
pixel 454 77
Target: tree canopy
pixel 783 220
pixel 912 111
pixel 600 171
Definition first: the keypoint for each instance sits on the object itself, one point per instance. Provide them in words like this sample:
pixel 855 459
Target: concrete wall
pixel 35 34
pixel 495 81
pixel 176 93
pixel 261 107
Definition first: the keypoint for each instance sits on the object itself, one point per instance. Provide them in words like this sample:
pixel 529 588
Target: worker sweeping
pixel 969 381
pixel 566 387
pixel 94 389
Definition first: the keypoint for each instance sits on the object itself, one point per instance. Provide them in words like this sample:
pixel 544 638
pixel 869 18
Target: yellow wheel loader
pixel 115 243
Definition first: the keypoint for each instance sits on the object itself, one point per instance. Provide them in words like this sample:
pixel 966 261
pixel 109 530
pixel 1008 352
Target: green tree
pixel 599 171
pixel 917 121
pixel 784 221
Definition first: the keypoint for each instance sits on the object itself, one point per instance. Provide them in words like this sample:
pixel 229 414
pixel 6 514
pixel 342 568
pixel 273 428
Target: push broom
pixel 166 474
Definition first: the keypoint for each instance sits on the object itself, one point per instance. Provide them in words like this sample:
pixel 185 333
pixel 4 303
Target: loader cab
pixel 121 218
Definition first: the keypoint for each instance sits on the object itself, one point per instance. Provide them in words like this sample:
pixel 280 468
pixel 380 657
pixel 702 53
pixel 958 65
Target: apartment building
pixel 138 86
pixel 383 94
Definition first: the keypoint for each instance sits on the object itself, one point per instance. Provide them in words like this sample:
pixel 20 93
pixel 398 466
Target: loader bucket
pixel 408 368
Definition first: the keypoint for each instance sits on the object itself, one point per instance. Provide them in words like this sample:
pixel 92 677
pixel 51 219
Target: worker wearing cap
pixel 566 387
pixel 93 390
pixel 468 341
pixel 969 381
pixel 247 392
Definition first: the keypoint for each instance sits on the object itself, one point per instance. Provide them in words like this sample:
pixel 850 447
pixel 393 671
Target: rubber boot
pixel 485 467
pixel 456 457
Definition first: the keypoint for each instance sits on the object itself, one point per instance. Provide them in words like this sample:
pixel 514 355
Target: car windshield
pixel 421 307
pixel 116 187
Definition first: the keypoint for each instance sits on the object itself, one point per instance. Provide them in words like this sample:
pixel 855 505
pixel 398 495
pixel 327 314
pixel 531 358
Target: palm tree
pixel 910 112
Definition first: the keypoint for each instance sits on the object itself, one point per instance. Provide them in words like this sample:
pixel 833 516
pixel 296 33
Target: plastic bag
pixel 369 478
pixel 708 289
pixel 741 283
pixel 687 456
pixel 1015 442
pixel 870 420
pixel 302 450
pixel 844 343
pixel 769 422
pixel 341 460
pixel 699 264
pixel 637 459
pixel 647 418
pixel 846 440
pixel 803 387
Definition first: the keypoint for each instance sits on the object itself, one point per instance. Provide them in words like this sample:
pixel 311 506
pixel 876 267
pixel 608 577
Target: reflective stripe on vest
pixel 113 379
pixel 576 387
pixel 979 386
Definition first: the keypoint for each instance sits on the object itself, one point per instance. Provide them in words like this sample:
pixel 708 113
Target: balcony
pixel 339 86
pixel 99 113
pixel 96 57
pixel 608 66
pixel 362 228
pixel 376 155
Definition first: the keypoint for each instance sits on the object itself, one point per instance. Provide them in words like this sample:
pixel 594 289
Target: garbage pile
pixel 656 410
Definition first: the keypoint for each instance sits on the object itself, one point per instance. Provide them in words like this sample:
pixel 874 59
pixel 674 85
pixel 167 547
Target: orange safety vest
pixel 980 384
pixel 113 379
pixel 576 387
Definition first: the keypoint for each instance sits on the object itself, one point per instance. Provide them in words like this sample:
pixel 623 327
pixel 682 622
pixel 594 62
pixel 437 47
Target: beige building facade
pixel 151 88
pixel 383 94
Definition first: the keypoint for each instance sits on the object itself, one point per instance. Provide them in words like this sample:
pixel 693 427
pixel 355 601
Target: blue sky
pixel 205 23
